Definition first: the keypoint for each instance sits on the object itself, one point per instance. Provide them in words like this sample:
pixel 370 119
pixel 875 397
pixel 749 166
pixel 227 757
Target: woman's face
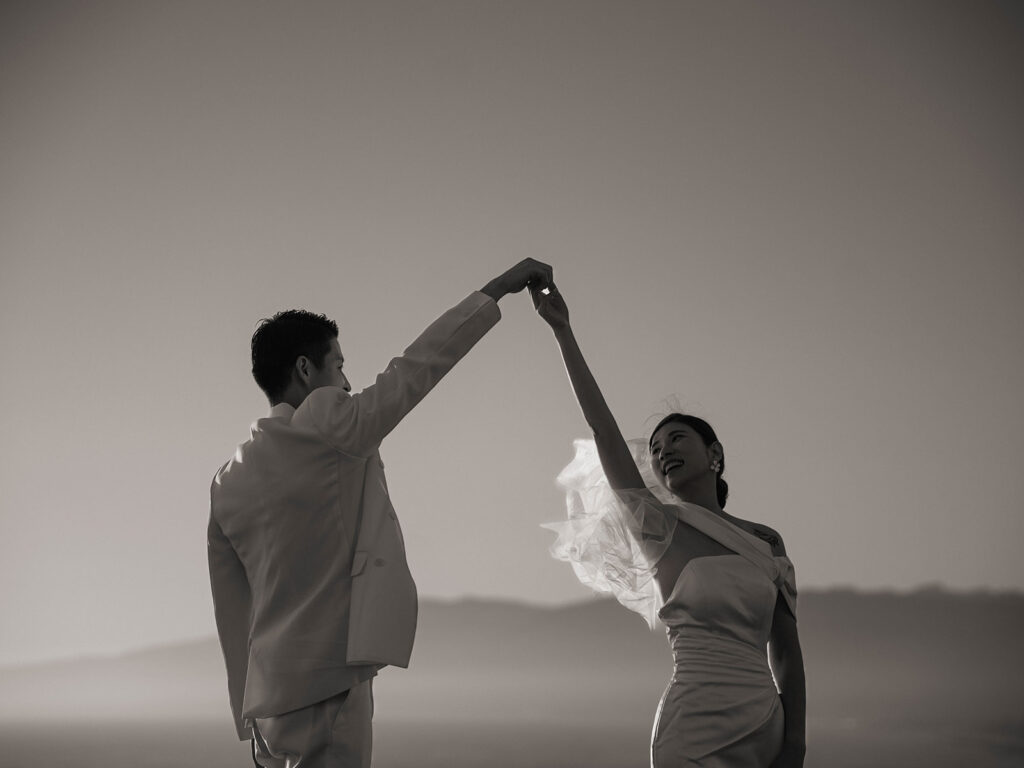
pixel 679 456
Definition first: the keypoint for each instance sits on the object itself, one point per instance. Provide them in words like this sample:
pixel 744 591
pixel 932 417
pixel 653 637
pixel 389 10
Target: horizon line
pixel 930 588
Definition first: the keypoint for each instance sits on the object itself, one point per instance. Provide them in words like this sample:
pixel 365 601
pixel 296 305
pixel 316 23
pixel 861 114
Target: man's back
pixel 289 504
pixel 311 587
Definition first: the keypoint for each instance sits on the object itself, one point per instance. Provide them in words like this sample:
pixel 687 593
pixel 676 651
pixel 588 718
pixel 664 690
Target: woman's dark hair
pixel 707 434
pixel 279 341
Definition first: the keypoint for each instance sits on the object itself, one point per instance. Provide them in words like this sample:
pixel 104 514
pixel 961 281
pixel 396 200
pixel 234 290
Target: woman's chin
pixel 675 485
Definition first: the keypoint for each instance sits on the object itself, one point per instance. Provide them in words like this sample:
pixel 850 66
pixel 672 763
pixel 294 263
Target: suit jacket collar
pixel 281 411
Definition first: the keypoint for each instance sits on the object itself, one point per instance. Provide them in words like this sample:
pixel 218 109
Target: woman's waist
pixel 708 657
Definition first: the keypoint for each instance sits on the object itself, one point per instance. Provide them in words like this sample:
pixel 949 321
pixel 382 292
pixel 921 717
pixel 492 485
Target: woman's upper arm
pixel 617 462
pixel 784 631
pixel 785 604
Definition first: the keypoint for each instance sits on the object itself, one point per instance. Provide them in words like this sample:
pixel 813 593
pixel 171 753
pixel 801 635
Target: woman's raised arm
pixel 616 459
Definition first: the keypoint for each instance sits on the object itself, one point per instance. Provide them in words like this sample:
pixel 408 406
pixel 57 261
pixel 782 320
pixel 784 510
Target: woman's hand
pixel 550 306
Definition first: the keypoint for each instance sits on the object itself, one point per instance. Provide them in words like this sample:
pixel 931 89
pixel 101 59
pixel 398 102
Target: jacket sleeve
pixel 357 423
pixel 232 605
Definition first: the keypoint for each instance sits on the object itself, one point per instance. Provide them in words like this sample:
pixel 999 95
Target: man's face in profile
pixel 331 373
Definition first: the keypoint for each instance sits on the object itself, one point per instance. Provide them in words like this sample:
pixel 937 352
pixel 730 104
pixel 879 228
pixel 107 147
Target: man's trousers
pixel 333 733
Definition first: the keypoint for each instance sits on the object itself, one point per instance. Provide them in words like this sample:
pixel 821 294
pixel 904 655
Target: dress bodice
pixel 719 616
pixel 722 595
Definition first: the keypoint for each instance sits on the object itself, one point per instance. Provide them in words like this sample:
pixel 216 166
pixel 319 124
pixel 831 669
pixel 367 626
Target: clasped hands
pixel 539 278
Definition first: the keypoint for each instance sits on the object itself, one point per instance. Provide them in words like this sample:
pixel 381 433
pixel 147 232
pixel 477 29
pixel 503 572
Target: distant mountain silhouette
pixel 922 655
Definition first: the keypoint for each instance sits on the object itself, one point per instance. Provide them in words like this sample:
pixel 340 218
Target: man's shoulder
pixel 325 413
pixel 323 397
pixel 233 466
pixel 225 472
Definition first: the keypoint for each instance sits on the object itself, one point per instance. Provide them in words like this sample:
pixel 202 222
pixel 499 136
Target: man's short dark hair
pixel 281 340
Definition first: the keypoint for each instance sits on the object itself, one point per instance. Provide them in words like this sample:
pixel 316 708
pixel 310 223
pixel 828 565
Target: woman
pixel 724 585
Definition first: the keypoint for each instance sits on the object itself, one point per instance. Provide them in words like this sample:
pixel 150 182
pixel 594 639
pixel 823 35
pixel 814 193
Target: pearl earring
pixel 716 465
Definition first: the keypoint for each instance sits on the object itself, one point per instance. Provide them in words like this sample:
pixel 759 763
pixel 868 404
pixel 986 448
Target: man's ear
pixel 303 367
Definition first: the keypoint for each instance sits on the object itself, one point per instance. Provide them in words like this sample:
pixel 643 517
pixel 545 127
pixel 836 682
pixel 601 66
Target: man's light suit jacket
pixel 311 588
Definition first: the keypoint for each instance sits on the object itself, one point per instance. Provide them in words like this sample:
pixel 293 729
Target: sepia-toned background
pixel 798 220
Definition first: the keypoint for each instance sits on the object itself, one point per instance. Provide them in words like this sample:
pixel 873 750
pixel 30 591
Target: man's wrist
pixel 495 289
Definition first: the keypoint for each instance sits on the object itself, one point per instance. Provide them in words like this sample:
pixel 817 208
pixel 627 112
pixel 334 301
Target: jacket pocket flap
pixel 359 562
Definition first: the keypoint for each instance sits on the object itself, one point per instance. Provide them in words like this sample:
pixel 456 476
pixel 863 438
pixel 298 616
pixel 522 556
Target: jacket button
pixel 379 561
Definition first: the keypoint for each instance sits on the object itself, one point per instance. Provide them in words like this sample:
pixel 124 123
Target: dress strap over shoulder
pixel 757 551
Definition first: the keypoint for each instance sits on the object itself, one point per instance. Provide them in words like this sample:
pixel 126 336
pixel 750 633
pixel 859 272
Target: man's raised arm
pixel 357 423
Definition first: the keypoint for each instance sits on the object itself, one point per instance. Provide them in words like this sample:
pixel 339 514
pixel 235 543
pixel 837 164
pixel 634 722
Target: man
pixel 311 590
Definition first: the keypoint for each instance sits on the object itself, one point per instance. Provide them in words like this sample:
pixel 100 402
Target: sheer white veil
pixel 613 540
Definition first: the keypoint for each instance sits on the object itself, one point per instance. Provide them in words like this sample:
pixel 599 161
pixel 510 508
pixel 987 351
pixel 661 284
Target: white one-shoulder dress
pixel 721 708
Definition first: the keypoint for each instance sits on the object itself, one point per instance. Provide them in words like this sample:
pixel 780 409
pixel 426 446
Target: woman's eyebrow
pixel 675 432
pixel 655 444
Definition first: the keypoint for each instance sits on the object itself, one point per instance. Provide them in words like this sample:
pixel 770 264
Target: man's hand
pixel 527 272
pixel 550 306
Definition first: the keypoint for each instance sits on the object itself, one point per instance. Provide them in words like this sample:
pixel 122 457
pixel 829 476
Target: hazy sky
pixel 800 220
